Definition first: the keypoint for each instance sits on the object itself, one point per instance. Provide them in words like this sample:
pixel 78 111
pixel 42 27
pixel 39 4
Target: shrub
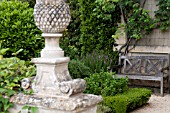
pixel 99 21
pixel 31 2
pixel 18 31
pixel 12 71
pixel 91 27
pixel 127 101
pixel 78 70
pixel 97 62
pixel 103 109
pixel 4 102
pixel 105 84
pixel 71 41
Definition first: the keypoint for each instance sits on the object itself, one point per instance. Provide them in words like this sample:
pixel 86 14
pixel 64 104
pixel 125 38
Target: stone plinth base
pixel 82 103
pixel 17 108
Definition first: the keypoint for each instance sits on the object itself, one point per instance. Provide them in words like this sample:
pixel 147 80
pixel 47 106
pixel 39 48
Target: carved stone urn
pixel 54 91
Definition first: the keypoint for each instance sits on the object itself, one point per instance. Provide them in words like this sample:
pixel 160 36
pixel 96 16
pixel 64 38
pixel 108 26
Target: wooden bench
pixel 153 68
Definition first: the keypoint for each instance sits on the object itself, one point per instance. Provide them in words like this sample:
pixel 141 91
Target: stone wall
pixel 155 42
pixel 157 37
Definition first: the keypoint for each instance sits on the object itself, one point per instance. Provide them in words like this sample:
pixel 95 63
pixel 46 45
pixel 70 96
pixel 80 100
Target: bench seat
pixel 141 77
pixel 153 68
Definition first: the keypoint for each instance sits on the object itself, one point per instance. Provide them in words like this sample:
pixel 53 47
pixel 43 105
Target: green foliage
pixel 2 52
pixel 99 21
pixel 127 101
pixel 12 71
pixel 98 62
pixel 78 70
pixel 163 14
pixel 141 21
pixel 31 2
pixel 103 109
pixel 137 21
pixel 90 64
pixel 4 101
pixel 18 31
pixel 95 31
pixel 105 84
pixel 70 43
pixel 30 109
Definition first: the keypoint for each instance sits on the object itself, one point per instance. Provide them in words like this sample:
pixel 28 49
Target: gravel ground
pixel 156 104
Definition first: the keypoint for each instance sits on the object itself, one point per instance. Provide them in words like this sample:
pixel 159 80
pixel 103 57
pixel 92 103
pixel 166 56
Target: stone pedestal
pixel 81 103
pixel 54 90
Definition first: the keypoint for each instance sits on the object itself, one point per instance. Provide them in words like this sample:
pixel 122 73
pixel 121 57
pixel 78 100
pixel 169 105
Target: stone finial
pixel 51 16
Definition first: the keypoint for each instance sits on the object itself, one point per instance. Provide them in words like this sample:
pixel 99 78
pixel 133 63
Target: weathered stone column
pixel 54 90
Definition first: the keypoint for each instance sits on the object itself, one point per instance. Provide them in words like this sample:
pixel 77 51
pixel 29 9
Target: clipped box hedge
pixel 127 101
pixel 105 84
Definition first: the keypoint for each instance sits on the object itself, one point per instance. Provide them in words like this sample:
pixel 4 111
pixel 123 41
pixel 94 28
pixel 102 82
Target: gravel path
pixel 156 104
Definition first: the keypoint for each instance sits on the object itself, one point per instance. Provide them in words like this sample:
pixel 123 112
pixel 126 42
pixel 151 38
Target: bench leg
pixel 161 87
pixel 168 85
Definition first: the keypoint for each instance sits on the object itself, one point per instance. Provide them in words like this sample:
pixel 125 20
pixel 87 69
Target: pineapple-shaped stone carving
pixel 51 16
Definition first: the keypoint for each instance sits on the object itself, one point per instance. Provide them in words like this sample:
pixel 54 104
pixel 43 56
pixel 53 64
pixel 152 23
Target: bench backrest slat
pixel 146 65
pixel 143 57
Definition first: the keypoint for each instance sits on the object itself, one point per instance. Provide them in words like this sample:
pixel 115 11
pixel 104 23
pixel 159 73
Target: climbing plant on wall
pixel 163 14
pixel 137 22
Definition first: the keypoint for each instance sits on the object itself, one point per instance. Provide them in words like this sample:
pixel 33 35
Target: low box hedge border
pixel 127 101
